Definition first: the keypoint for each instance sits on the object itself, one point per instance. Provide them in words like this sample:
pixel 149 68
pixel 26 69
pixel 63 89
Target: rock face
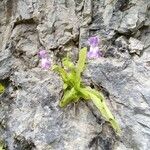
pixel 30 118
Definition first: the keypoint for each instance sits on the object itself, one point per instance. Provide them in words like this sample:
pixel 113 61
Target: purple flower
pixel 45 62
pixel 94 51
pixel 93 41
pixel 42 54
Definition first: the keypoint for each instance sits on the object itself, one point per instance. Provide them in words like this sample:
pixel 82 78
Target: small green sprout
pixel 74 89
pixel 2 89
pixel 1 146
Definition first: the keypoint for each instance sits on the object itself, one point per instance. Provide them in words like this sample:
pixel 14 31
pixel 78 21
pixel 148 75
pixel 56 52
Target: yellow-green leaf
pixel 82 58
pixel 99 102
pixel 68 97
pixel 67 63
pixel 80 65
pixel 1 146
pixel 61 72
pixel 2 89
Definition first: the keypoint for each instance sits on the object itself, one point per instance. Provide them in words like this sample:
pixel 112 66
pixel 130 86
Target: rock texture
pixel 30 118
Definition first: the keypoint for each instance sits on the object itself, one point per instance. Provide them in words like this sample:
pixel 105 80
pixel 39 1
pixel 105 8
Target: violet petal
pixel 93 41
pixel 94 53
pixel 45 63
pixel 42 54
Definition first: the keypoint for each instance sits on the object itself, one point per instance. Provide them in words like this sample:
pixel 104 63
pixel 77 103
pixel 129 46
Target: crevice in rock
pixel 5 97
pixel 117 35
pixel 141 111
pixel 100 88
pixel 144 125
pixel 99 119
pixel 25 21
pixel 121 5
pixel 105 142
pixel 5 81
pixel 22 144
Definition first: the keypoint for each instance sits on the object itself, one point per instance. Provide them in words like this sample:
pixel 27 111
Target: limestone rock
pixel 30 118
pixel 135 46
pixel 134 17
pixel 122 43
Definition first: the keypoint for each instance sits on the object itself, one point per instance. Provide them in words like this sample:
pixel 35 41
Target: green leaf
pixel 80 65
pixel 69 96
pixel 73 78
pixel 106 113
pixel 1 146
pixel 99 102
pixel 68 78
pixel 82 58
pixel 2 89
pixel 71 72
pixel 74 90
pixel 65 86
pixel 67 63
pixel 84 93
pixel 95 92
pixel 61 72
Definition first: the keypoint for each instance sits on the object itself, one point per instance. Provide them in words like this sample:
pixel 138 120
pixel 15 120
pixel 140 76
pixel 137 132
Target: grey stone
pixel 122 43
pixel 135 46
pixel 134 17
pixel 127 84
pixel 30 117
pixel 6 62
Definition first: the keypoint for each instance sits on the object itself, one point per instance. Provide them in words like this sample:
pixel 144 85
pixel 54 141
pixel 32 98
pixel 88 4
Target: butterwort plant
pixel 75 90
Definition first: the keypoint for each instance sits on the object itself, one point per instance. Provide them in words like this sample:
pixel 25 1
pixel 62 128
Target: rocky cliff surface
pixel 30 118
